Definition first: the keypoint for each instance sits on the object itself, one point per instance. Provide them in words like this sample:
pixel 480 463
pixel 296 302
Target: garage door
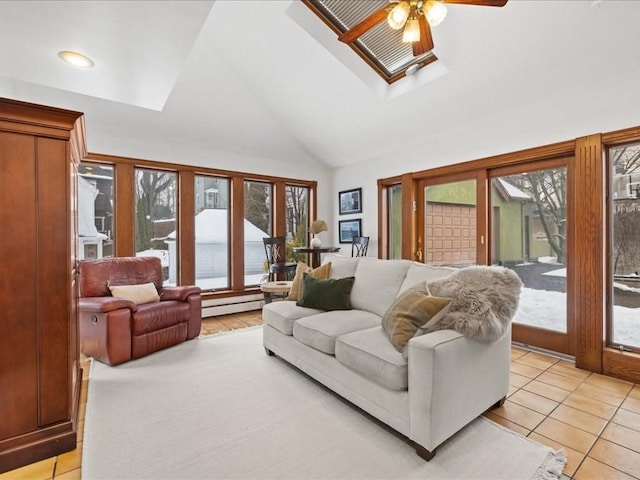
pixel 450 234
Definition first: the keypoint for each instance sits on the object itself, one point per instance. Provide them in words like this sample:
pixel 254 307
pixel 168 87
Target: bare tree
pixel 626 237
pixel 257 207
pixel 297 208
pixel 625 160
pixel 548 190
pixel 151 187
pixel 297 219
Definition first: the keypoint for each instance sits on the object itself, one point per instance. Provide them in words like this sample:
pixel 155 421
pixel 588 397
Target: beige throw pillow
pixel 322 272
pixel 138 294
pixel 409 312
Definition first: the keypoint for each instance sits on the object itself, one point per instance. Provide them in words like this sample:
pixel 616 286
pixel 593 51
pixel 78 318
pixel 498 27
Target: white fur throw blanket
pixel 484 301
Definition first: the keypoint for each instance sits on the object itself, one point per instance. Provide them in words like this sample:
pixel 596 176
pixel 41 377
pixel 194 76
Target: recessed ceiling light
pixel 76 59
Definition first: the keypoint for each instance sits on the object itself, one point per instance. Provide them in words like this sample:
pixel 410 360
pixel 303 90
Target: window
pixel 297 219
pixel 395 221
pixel 212 233
pixel 155 222
pixel 633 190
pixel 624 238
pixel 212 197
pixel 257 225
pixel 186 216
pixel 95 211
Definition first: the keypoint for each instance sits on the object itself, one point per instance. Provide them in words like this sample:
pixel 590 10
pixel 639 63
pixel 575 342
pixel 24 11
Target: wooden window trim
pixel 545 152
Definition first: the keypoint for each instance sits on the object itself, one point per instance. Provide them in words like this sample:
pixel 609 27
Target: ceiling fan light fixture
pixel 434 11
pixel 398 15
pixel 411 31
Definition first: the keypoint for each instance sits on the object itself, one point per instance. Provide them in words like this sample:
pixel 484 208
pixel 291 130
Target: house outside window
pixel 95 211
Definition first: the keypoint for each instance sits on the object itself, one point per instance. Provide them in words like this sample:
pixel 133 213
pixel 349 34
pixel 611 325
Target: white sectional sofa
pixel 446 381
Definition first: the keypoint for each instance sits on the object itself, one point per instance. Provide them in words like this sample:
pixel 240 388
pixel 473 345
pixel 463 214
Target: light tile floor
pixel 595 419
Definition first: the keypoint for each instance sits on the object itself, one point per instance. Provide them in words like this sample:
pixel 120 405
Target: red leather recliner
pixel 114 330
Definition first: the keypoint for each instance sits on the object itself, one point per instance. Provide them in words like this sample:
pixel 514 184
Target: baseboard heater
pixel 226 306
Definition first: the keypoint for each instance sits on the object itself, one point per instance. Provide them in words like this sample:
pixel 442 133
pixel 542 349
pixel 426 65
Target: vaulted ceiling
pixel 269 79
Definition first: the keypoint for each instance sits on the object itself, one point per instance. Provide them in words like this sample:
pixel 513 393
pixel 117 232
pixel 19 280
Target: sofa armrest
pixel 178 293
pixel 452 380
pixel 191 295
pixel 104 304
pixel 105 328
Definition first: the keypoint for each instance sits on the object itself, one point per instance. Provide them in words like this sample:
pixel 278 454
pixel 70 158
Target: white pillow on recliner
pixel 138 294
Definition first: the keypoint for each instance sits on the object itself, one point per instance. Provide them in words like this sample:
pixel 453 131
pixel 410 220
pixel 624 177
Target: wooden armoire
pixel 40 377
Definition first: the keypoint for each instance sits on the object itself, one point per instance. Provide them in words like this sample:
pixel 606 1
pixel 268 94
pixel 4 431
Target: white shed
pixel 212 247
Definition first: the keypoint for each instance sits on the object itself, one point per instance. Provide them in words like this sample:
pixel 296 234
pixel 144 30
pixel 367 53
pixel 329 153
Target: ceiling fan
pixel 416 17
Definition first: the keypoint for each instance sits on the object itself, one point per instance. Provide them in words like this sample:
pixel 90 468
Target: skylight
pixel 381 47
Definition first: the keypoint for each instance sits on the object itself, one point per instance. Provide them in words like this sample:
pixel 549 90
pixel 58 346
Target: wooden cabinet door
pixel 53 281
pixel 18 302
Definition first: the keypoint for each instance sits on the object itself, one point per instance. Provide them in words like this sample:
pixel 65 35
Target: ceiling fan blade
pixel 482 3
pixel 364 26
pixel 425 44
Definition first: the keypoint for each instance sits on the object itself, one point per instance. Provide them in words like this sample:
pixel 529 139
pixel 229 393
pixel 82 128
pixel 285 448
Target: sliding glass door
pixel 515 217
pixel 528 234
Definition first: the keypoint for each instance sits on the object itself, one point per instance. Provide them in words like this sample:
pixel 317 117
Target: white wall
pixel 565 114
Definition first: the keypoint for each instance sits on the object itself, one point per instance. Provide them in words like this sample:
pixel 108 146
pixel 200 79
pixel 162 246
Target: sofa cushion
pixel 369 353
pixel 320 331
pixel 411 310
pixel 96 275
pixel 419 272
pixel 296 286
pixel 341 266
pixel 138 294
pixel 282 315
pixel 326 294
pixel 377 283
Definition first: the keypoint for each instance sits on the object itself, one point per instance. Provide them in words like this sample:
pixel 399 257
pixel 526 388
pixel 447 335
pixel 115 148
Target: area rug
pixel 219 408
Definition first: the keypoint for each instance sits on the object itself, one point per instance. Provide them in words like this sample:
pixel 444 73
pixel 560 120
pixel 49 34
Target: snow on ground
pixel 541 308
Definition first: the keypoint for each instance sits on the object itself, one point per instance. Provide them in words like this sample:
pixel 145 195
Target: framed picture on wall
pixel 349 229
pixel 350 201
